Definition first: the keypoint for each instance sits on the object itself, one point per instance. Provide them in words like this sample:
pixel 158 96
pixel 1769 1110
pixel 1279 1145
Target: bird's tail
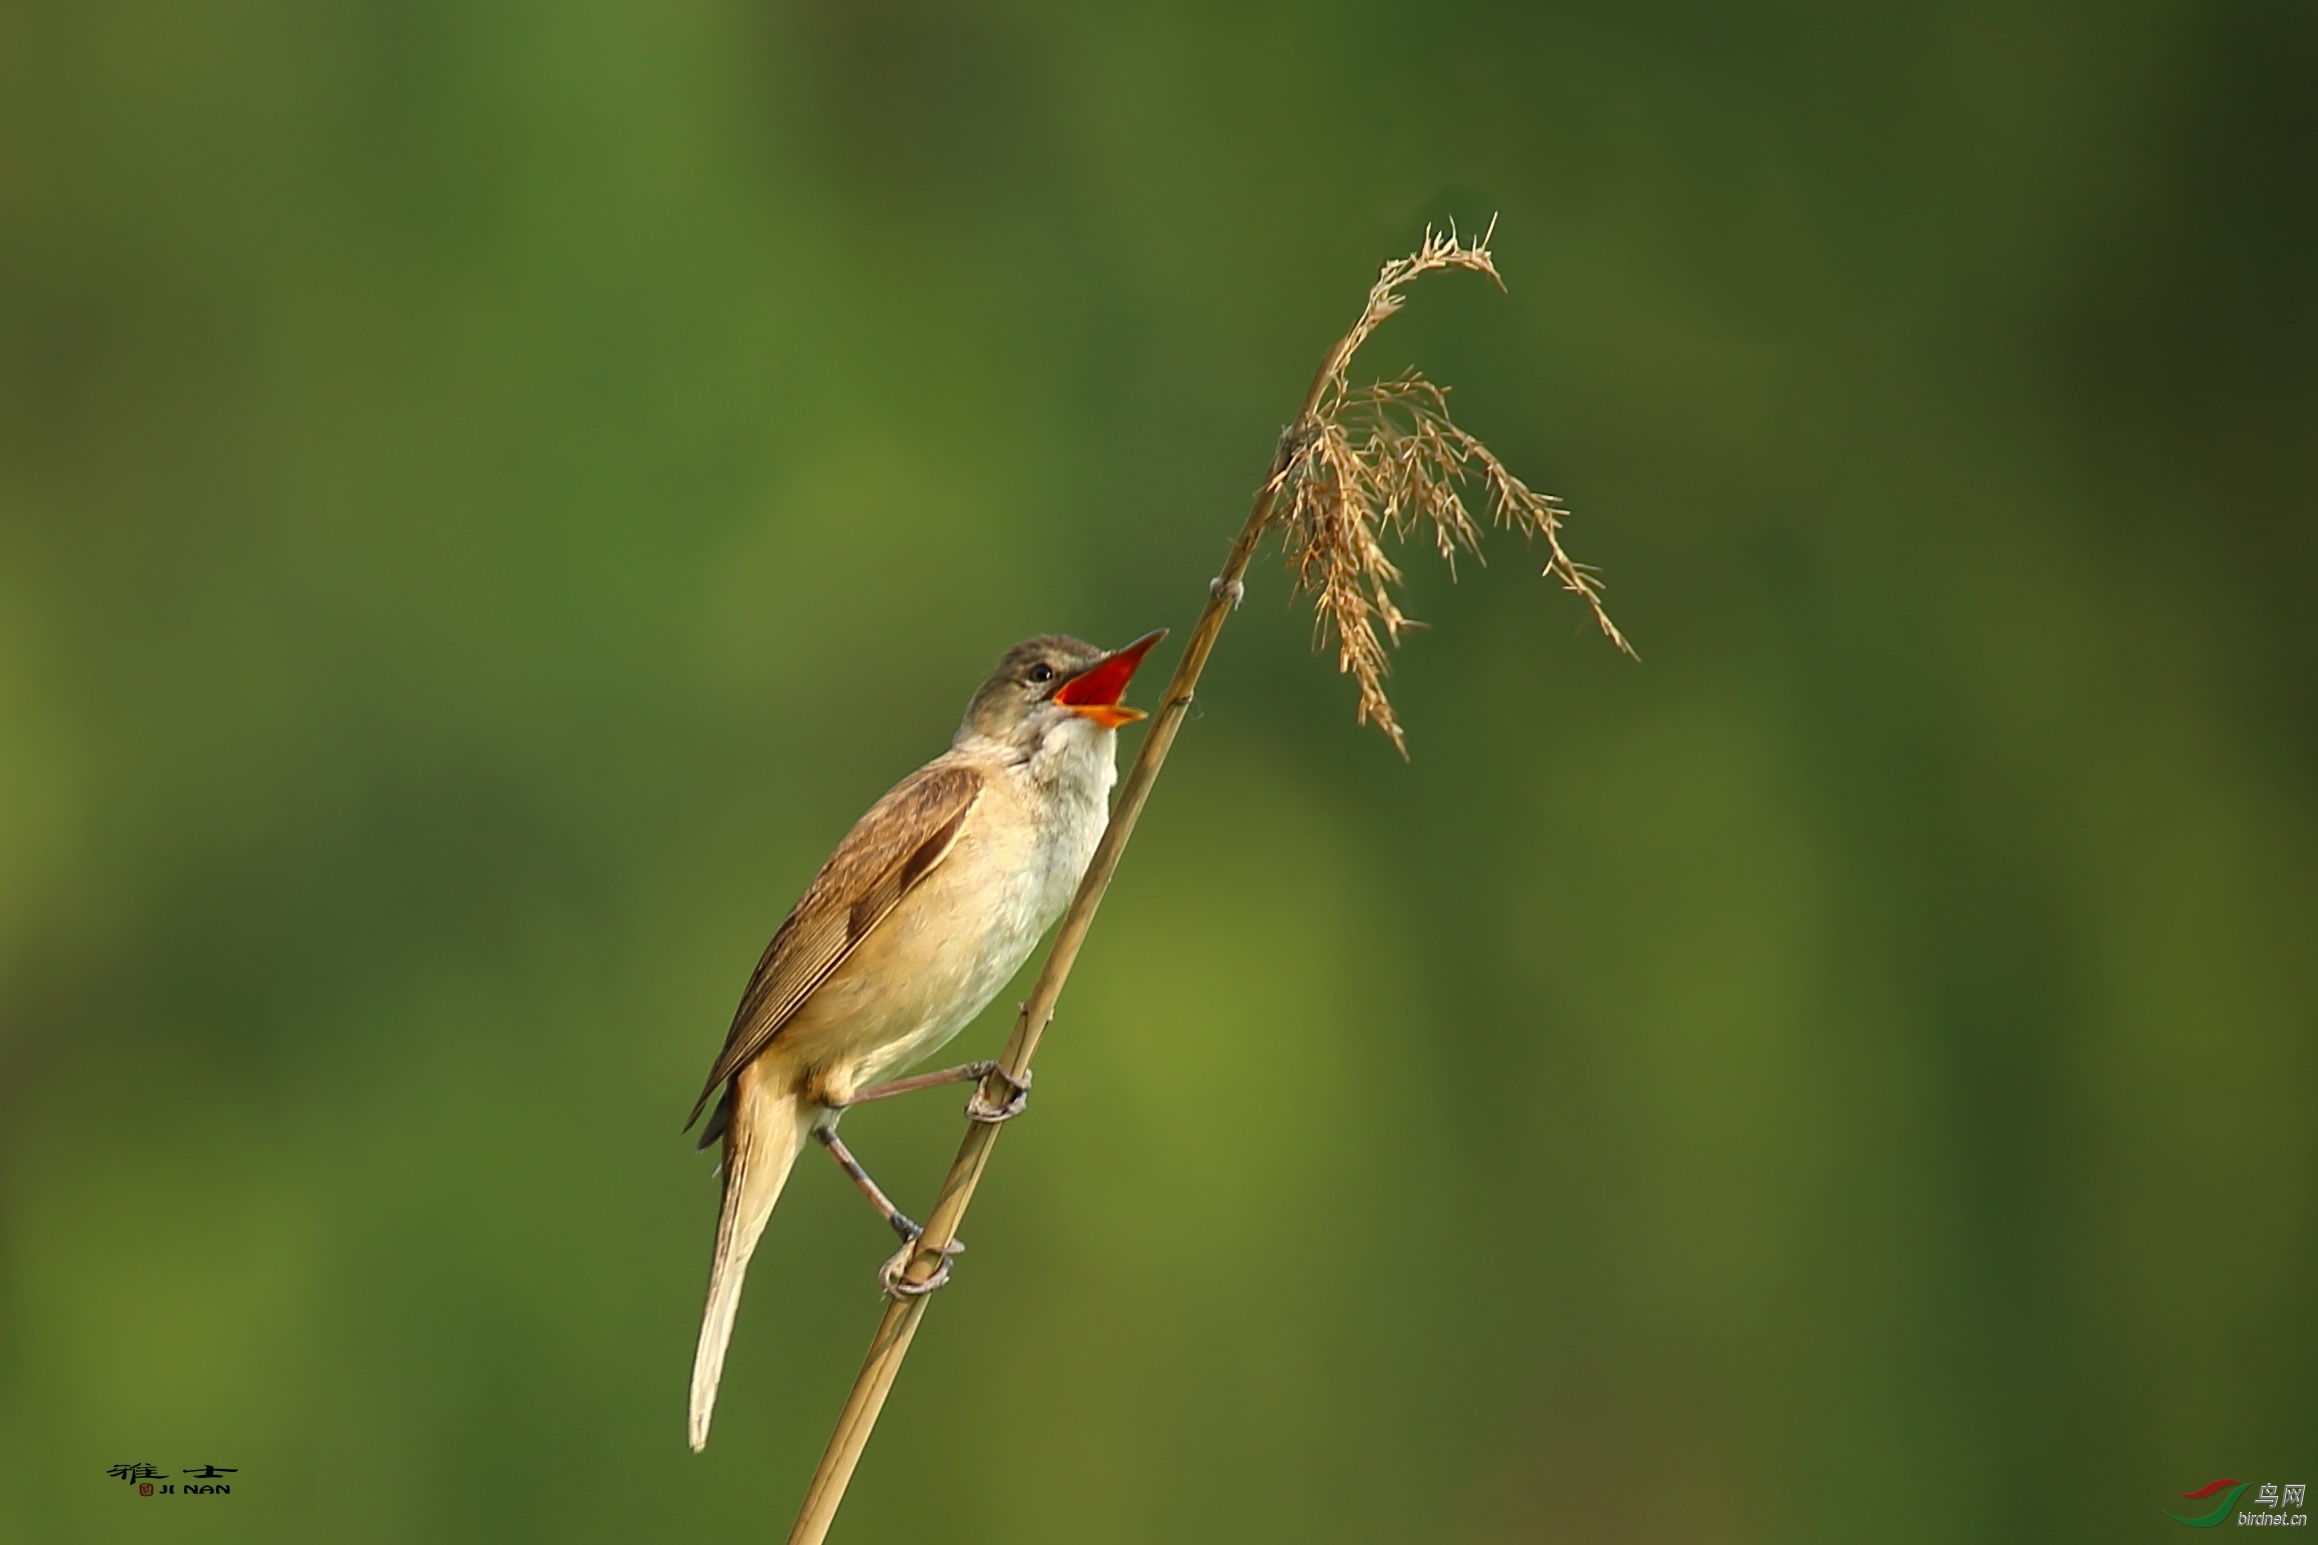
pixel 768 1127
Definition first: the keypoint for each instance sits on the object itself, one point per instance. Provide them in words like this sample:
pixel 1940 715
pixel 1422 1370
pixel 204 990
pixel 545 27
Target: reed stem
pixel 891 1343
pixel 1336 498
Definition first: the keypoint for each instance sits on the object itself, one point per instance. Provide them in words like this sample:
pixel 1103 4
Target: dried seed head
pixel 1389 458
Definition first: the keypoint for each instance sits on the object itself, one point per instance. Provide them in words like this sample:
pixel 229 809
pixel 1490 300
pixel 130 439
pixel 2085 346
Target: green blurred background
pixel 488 493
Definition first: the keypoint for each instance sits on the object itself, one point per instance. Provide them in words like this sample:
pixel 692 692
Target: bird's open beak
pixel 1095 691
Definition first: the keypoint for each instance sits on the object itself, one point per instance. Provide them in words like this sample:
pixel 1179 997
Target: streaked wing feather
pixel 888 852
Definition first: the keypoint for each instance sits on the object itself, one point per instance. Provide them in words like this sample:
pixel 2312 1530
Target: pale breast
pixel 940 956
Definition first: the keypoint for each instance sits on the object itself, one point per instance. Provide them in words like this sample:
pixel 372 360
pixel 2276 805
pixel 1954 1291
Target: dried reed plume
pixel 1388 457
pixel 1351 464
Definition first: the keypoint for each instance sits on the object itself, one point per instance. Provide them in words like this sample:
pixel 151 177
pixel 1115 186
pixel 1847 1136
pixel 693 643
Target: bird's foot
pixel 894 1274
pixel 983 1109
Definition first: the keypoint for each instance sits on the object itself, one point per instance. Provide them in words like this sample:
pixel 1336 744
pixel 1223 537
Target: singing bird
pixel 927 907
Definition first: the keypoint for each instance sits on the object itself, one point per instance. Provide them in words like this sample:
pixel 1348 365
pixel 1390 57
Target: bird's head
pixel 1051 683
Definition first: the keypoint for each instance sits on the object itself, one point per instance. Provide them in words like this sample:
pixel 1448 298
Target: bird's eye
pixel 1042 673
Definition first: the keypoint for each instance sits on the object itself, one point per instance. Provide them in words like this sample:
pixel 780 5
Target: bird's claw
pixel 1228 587
pixel 981 1108
pixel 893 1276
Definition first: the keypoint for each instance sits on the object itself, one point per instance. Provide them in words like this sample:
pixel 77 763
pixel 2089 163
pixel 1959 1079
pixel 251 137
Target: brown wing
pixel 881 860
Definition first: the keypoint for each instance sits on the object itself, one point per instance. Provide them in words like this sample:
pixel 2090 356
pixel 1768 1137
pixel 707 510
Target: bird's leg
pixel 956 1075
pixel 979 1108
pixel 894 1273
pixel 878 1199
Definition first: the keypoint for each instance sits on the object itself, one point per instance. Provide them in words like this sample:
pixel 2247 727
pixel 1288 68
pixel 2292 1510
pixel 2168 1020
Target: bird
pixel 928 906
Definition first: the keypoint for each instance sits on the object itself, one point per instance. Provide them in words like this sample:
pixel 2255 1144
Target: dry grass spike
pixel 1364 461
